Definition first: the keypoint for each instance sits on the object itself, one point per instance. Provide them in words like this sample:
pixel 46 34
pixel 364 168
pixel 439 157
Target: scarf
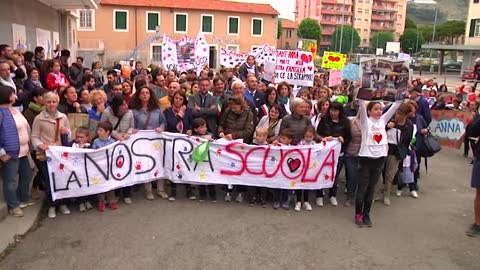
pixel 179 125
pixel 37 83
pixel 283 100
pixel 35 108
pixel 271 127
pixel 8 82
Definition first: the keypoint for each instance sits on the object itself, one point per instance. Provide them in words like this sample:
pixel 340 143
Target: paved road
pixel 423 233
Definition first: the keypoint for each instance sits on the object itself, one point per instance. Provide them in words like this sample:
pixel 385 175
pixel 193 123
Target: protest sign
pixel 333 60
pixel 185 53
pixel 269 70
pixel 448 127
pixel 393 47
pixel 230 59
pixel 77 120
pixel 169 53
pixel 148 155
pixel 309 45
pixel 351 72
pixel 334 77
pixel 263 52
pixel 294 67
pixel 202 52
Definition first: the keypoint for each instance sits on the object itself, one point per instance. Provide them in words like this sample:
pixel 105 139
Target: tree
pixel 380 39
pixel 309 28
pixel 349 34
pixel 279 28
pixel 427 32
pixel 408 41
pixel 450 30
pixel 409 23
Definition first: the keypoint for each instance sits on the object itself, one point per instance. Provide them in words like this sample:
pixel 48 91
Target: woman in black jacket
pixel 334 125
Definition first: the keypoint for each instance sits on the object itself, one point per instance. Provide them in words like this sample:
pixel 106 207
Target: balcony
pixel 375 27
pixel 327 32
pixel 337 2
pixel 390 1
pixel 384 8
pixel 336 12
pixel 325 43
pixel 376 17
pixel 328 22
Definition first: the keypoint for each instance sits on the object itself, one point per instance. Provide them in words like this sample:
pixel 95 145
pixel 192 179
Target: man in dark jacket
pixel 473 130
pixel 76 73
pixel 204 105
pixel 39 57
pixel 251 93
pixel 423 105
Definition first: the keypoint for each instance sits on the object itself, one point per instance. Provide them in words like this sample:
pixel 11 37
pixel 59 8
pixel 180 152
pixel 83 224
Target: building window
pixel 86 19
pixel 474 28
pixel 367 11
pixel 156 53
pixel 365 30
pixel 257 27
pixel 120 20
pixel 233 48
pixel 365 20
pixel 289 33
pixel 360 10
pixel 364 41
pixel 207 24
pixel 181 22
pixel 153 20
pixel 233 24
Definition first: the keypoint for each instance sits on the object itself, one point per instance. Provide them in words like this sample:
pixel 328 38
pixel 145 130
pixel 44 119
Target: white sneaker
pixel 149 196
pixel 386 201
pixel 52 212
pixel 298 206
pixel 82 208
pixel 239 198
pixel 64 210
pixel 319 201
pixel 127 200
pixel 88 205
pixel 398 193
pixel 307 206
pixel 333 201
pixel 228 197
pixel 172 199
pixel 414 194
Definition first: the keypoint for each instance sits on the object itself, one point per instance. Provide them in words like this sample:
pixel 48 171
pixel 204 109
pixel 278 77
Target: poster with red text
pixel 294 67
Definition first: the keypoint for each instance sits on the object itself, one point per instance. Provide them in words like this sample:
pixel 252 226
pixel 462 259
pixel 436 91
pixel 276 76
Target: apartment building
pixel 288 40
pixel 120 27
pixel 472 30
pixel 367 16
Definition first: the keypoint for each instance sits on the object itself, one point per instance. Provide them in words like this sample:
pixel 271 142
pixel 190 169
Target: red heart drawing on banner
pixel 326 62
pixel 65 154
pixel 164 58
pixel 313 50
pixel 310 68
pixel 293 164
pixel 306 58
pixel 204 49
pixel 169 55
pixel 377 138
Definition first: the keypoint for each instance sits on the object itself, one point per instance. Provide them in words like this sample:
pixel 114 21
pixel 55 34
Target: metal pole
pixel 341 29
pixel 433 39
pixel 416 45
pixel 351 40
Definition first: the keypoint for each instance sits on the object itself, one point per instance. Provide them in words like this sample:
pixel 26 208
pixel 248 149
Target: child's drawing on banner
pixel 19 36
pixel 44 40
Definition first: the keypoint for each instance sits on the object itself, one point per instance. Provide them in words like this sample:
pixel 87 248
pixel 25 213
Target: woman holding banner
pixel 298 123
pixel 148 116
pixel 47 129
pixel 179 119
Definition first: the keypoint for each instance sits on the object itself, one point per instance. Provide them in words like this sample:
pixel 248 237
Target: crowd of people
pixel 37 94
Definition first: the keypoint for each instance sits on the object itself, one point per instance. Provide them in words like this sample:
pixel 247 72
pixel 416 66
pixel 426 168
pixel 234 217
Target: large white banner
pixel 230 59
pixel 295 67
pixel 148 155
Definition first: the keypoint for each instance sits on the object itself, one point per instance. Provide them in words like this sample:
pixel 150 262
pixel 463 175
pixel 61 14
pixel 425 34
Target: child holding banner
pixel 282 195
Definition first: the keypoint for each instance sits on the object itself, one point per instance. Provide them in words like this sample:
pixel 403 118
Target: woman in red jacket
pixel 56 80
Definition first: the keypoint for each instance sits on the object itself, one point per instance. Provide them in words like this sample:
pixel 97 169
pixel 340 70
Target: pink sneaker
pixel 359 220
pixel 101 206
pixel 113 205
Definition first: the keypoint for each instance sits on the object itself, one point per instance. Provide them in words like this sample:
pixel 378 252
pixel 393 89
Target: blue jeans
pixel 14 194
pixel 351 171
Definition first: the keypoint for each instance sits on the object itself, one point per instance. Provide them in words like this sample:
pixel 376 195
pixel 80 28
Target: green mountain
pixel 423 14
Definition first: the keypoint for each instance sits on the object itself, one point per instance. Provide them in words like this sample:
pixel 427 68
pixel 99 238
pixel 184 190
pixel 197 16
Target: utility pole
pixel 341 29
pixel 433 40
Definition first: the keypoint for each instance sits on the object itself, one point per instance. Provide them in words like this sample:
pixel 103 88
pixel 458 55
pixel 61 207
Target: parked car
pixel 468 75
pixel 449 64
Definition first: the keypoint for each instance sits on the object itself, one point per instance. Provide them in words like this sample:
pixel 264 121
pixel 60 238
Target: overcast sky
pixel 286 8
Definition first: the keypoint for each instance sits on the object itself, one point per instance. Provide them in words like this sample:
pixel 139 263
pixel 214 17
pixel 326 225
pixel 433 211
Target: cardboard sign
pixel 448 127
pixel 294 67
pixel 334 77
pixel 309 45
pixel 333 60
pixel 148 155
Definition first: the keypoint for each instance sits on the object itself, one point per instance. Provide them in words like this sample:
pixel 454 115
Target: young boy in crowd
pixel 199 126
pixel 259 194
pixel 285 195
pixel 104 132
pixel 80 141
